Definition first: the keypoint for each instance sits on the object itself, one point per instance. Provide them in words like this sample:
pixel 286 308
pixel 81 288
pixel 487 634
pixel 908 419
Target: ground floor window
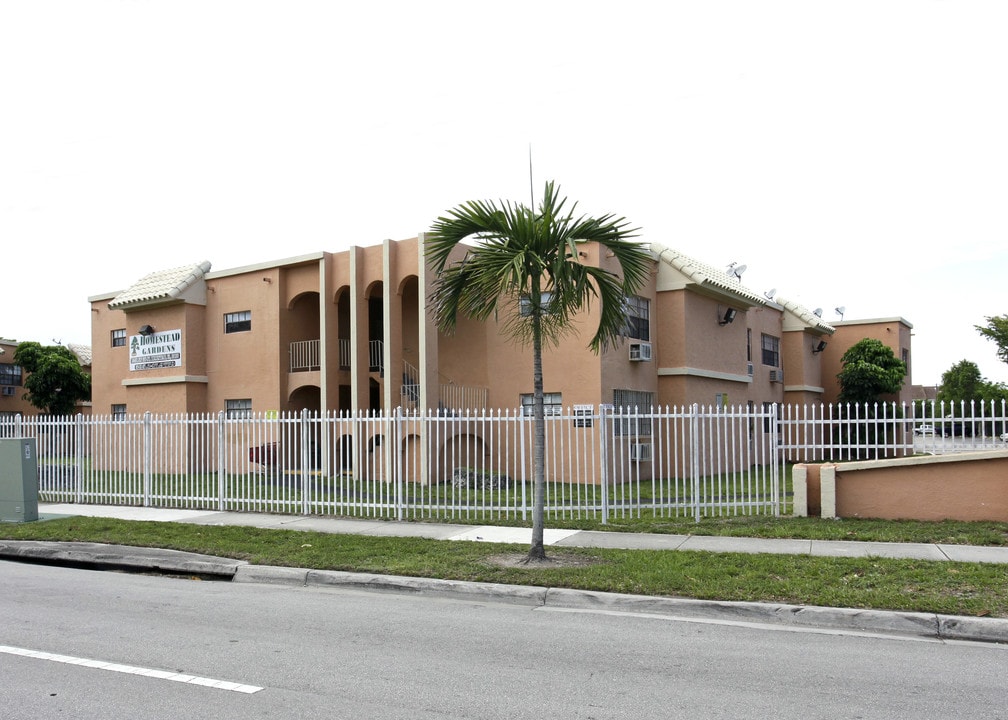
pixel 237 409
pixel 552 404
pixel 632 402
pixel 119 411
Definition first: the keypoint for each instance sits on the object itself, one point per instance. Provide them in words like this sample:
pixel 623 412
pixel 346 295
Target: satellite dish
pixel 817 312
pixel 737 271
pixel 840 311
pixel 770 293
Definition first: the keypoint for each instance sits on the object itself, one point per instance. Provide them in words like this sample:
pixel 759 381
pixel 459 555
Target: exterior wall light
pixel 819 348
pixel 146 330
pixel 729 316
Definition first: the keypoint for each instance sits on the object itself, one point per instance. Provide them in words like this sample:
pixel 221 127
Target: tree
pixel 56 381
pixel 996 329
pixel 961 383
pixel 530 260
pixel 870 370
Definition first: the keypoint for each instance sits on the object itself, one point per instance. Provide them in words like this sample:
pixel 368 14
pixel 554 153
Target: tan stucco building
pixel 353 331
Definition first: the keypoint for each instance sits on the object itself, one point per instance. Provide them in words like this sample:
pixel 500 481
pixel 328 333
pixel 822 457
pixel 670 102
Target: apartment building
pixel 12 379
pixel 352 331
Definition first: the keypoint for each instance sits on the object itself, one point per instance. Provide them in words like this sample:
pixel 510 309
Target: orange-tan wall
pixel 964 486
pixel 14 404
pixel 894 333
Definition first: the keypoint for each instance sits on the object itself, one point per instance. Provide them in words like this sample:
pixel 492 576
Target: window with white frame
pixel 238 408
pixel 119 337
pixel 771 350
pixel 637 311
pixel 119 411
pixel 552 404
pixel 238 321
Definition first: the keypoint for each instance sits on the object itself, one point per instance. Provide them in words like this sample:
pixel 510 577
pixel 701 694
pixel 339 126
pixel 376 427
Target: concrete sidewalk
pixel 771 615
pixel 559 538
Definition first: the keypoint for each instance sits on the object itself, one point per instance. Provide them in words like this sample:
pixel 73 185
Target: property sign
pixel 156 350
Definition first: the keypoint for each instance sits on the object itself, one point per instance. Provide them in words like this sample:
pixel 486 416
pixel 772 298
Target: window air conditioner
pixel 777 376
pixel 8 391
pixel 640 452
pixel 640 352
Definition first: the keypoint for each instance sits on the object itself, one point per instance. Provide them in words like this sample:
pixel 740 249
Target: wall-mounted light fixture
pixel 146 330
pixel 819 348
pixel 728 317
pixel 267 280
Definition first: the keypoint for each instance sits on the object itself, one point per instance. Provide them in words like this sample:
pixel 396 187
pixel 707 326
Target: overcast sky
pixel 849 153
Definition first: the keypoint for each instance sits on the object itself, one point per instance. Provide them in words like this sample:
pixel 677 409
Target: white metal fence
pixel 600 463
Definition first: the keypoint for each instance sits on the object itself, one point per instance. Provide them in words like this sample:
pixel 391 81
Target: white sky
pixel 850 153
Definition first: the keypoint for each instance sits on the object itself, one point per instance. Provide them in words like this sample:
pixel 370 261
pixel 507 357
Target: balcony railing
pixel 304 356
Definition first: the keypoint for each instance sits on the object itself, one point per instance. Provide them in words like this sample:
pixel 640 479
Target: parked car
pixel 924 430
pixel 1004 437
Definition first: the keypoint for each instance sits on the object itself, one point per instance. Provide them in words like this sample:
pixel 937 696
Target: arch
pixel 460 456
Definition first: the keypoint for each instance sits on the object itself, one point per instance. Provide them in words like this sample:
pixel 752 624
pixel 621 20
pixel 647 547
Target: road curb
pixel 101 556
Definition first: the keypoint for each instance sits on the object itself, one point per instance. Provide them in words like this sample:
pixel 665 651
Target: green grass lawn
pixel 912 585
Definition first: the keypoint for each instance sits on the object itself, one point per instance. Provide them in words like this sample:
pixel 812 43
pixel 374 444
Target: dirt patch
pixel 553 560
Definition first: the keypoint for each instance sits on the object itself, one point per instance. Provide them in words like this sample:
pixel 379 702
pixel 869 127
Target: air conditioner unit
pixel 640 352
pixel 777 376
pixel 8 391
pixel 640 452
pixel 749 369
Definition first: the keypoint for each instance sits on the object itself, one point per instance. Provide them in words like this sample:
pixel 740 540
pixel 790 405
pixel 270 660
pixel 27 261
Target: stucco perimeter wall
pixel 965 486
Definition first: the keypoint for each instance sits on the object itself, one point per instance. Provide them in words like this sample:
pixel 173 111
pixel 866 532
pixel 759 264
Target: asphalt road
pixel 256 651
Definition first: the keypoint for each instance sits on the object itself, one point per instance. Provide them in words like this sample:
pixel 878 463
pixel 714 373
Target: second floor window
pixel 10 374
pixel 638 318
pixel 238 321
pixel 771 351
pixel 119 337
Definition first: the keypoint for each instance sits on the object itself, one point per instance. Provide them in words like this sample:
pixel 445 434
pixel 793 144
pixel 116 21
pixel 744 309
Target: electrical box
pixel 18 480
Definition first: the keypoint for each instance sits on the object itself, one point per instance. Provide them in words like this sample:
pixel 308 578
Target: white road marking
pixel 131 670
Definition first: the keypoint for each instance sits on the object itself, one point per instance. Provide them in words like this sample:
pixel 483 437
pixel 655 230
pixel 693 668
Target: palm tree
pixel 529 260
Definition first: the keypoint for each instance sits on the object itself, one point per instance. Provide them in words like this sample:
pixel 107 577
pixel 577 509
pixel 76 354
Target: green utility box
pixel 18 480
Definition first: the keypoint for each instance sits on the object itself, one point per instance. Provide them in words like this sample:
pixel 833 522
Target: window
pixel 638 318
pixel 238 321
pixel 633 402
pixel 10 374
pixel 238 409
pixel 552 404
pixel 119 412
pixel 525 303
pixel 748 344
pixel 771 351
pixel 119 337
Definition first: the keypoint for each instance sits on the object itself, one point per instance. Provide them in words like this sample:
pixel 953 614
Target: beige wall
pixel 964 486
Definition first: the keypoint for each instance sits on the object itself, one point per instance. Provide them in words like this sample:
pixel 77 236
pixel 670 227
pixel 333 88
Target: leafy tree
pixel 870 370
pixel 996 329
pixel 528 259
pixel 56 381
pixel 961 383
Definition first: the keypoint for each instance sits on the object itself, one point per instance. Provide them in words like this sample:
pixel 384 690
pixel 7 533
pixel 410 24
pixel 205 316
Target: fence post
pixel 775 455
pixel 604 461
pixel 221 461
pixel 78 456
pixel 305 461
pixel 694 451
pixel 397 453
pixel 524 476
pixel 147 452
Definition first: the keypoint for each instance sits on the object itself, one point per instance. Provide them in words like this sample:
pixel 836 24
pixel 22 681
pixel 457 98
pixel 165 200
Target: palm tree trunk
pixel 537 551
